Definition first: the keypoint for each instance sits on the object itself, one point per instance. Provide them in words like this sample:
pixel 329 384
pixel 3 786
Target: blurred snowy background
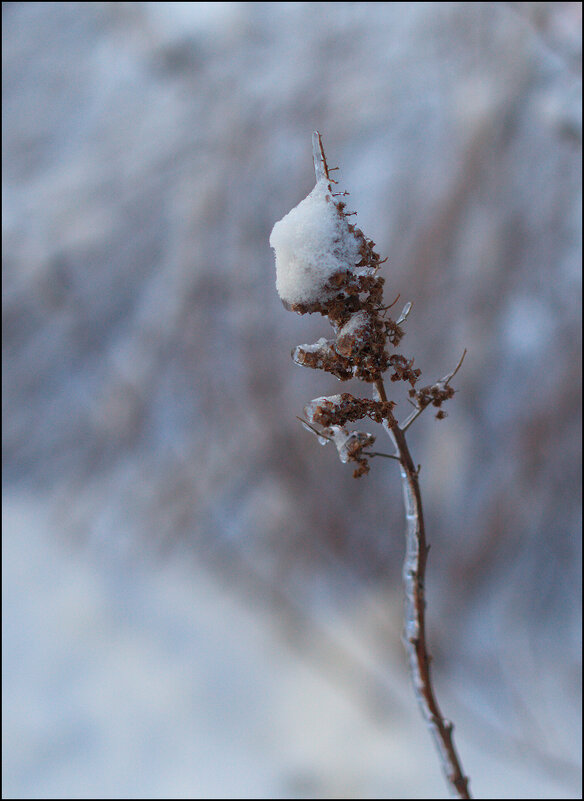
pixel 199 600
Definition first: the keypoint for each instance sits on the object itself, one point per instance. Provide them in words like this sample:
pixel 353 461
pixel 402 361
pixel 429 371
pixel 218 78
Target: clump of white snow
pixel 312 243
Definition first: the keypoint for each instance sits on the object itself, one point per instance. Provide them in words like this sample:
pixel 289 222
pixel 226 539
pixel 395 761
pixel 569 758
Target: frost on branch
pixel 355 334
pixel 344 408
pixel 323 356
pixel 350 446
pixel 330 415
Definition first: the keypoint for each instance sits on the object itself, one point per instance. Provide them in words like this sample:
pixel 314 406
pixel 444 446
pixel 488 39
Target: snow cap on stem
pixel 312 243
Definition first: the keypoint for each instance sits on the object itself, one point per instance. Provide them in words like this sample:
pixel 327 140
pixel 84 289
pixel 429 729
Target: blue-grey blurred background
pixel 199 600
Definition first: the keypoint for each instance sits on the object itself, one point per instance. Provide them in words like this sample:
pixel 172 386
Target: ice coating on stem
pixel 312 243
pixel 314 406
pixel 322 346
pixel 349 442
pixel 354 335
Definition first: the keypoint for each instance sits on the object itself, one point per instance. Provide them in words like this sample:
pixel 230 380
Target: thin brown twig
pixel 444 382
pixel 307 425
pixel 414 572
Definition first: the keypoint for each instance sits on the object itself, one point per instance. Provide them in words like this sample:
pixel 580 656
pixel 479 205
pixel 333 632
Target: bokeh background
pixel 199 600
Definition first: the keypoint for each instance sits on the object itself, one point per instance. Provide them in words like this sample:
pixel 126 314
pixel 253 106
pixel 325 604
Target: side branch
pixel 414 571
pixel 436 391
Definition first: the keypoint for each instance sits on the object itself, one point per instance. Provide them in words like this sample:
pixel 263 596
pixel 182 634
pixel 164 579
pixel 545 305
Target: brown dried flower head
pixel 326 265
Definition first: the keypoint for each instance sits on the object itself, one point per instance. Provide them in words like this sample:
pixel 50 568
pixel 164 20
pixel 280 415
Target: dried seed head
pixel 326 265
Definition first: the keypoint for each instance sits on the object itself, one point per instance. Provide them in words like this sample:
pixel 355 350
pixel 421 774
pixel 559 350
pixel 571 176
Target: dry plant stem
pixel 414 629
pixel 351 295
